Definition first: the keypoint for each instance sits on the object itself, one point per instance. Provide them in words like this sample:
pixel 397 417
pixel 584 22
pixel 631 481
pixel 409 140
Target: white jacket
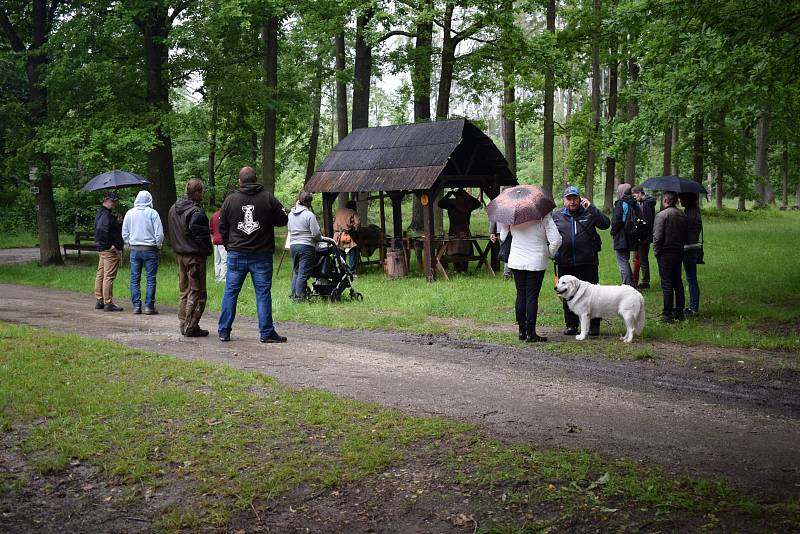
pixel 534 243
pixel 142 225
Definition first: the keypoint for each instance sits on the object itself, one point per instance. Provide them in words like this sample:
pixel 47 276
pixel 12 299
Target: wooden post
pixel 327 212
pixel 397 218
pixel 427 227
pixel 383 212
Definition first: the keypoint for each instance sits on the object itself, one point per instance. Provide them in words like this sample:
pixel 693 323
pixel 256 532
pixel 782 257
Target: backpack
pixel 635 226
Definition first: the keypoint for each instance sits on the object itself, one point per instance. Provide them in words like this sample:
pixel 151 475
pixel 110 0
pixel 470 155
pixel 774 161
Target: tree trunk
pixel 448 63
pixel 155 28
pixel 611 162
pixel 565 138
pixel 632 111
pixel 590 155
pixel 509 124
pixel 342 126
pixel 549 93
pixel 698 152
pixel 665 171
pixel 313 141
pixel 785 195
pixel 421 85
pixel 269 36
pixel 674 168
pixel 719 191
pixel 763 187
pixel 211 167
pixel 362 79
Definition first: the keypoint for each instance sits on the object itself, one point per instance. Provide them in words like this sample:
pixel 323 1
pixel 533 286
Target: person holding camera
pixel 577 222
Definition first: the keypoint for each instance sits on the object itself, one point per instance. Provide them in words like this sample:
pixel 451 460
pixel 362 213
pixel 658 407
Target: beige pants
pixel 106 273
pixel 192 287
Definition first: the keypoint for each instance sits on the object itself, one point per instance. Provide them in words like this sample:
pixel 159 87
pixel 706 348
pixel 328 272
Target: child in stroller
pixel 333 278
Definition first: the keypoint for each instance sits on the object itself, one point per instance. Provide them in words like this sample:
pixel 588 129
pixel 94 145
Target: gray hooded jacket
pixel 303 226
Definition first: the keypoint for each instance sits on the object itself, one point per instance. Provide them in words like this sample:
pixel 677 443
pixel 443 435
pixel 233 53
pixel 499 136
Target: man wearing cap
pixel 577 222
pixel 108 236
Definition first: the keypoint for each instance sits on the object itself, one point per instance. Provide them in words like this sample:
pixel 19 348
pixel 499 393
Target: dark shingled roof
pixel 412 157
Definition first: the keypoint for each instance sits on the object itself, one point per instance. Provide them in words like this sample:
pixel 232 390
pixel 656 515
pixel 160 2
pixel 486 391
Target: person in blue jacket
pixel 577 222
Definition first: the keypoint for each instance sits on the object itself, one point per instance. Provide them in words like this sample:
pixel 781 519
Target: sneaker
pixel 224 337
pixel 99 305
pixel 112 307
pixel 688 312
pixel 571 331
pixel 150 311
pixel 137 310
pixel 274 337
pixel 195 332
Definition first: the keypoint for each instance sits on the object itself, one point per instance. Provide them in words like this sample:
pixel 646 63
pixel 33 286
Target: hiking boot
pixel 99 305
pixel 137 310
pixel 195 332
pixel 533 337
pixel 571 331
pixel 150 311
pixel 274 337
pixel 224 337
pixel 112 307
pixel 522 333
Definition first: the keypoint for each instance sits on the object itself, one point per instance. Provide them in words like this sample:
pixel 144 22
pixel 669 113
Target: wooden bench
pixel 83 241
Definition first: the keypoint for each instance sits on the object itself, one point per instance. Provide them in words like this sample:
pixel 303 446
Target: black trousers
pixel 669 268
pixel 587 273
pixel 528 283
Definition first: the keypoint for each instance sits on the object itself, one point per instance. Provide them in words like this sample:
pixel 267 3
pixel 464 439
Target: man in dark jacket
pixel 641 260
pixel 577 222
pixel 625 209
pixel 108 236
pixel 247 224
pixel 669 236
pixel 191 241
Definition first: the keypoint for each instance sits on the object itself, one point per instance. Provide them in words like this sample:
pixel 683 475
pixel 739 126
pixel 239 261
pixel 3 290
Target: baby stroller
pixel 333 279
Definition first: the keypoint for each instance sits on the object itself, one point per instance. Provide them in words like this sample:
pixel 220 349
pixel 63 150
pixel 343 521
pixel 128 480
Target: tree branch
pixel 8 29
pixel 395 33
pixel 178 10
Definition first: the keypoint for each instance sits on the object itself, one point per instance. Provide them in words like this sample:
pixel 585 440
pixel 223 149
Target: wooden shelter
pixel 420 159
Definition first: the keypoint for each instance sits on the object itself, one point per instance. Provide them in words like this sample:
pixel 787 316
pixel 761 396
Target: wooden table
pixel 441 244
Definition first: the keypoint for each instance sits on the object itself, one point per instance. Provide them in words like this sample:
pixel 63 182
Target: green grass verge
pixel 749 289
pixel 231 438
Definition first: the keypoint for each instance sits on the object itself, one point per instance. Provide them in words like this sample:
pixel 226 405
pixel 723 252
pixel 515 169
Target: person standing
pixel 108 236
pixel 670 230
pixel 533 244
pixel 693 249
pixel 346 224
pixel 304 233
pixel 191 240
pixel 143 233
pixel 220 254
pixel 577 222
pixel 247 225
pixel 625 210
pixel 641 259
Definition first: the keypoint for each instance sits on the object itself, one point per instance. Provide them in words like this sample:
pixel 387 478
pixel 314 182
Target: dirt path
pixel 688 421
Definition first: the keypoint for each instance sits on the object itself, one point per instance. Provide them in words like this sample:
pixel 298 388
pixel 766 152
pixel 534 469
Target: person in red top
pixel 220 254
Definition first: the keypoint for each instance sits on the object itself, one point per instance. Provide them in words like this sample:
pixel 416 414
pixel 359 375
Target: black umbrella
pixel 114 179
pixel 673 183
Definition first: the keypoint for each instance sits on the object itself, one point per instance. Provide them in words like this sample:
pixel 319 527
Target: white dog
pixel 589 301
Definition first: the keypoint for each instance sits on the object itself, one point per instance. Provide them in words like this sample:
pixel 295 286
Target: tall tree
pixel 591 145
pixel 764 190
pixel 39 26
pixel 611 161
pixel 269 35
pixel 549 93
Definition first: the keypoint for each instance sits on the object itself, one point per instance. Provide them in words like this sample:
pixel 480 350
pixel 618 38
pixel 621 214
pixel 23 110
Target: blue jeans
pixel 303 257
pixel 690 266
pixel 148 259
pixel 259 265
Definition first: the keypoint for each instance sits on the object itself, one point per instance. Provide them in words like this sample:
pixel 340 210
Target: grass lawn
pixel 749 293
pixel 191 445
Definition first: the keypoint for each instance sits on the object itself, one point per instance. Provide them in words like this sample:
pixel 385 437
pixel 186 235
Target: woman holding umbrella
pixel 523 215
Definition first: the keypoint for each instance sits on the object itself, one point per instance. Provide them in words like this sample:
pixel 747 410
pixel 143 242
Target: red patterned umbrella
pixel 519 204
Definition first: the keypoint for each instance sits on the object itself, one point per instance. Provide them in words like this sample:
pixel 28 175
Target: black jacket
pixel 107 231
pixel 578 231
pixel 622 240
pixel 648 209
pixel 695 222
pixel 248 219
pixel 189 232
pixel 669 231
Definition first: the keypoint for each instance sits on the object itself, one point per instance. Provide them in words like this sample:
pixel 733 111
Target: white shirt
pixel 534 243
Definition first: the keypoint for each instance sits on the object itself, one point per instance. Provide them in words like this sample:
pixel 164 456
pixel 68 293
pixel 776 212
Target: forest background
pixel 585 92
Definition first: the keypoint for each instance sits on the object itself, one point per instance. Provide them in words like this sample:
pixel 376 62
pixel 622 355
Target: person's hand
pixel 493 238
pixel 585 203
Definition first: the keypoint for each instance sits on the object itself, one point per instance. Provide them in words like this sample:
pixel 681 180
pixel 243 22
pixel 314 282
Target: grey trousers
pixel 624 264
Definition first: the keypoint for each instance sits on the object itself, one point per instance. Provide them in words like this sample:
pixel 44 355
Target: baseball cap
pixel 571 190
pixel 110 195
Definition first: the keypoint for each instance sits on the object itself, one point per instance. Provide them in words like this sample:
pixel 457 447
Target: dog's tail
pixel 640 317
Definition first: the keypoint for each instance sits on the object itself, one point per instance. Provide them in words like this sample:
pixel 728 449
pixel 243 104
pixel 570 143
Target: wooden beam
pixel 327 212
pixel 428 229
